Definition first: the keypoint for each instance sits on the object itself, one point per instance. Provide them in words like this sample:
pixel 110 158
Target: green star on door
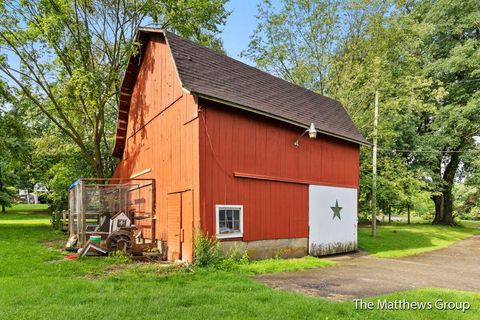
pixel 336 211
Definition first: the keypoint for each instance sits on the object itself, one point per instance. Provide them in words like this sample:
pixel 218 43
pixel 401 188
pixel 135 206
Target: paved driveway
pixel 360 275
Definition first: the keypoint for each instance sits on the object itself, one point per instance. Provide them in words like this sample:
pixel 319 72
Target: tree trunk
pixel 1 190
pixel 443 208
pixel 444 200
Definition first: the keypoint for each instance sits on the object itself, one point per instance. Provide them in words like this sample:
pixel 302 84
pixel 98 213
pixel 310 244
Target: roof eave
pixel 276 117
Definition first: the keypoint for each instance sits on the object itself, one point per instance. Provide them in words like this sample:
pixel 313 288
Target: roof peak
pixel 215 76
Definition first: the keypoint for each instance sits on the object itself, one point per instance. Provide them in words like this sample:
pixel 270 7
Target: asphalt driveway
pixel 361 275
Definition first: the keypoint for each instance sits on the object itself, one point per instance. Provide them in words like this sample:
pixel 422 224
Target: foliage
pixel 400 240
pixel 233 260
pixel 209 255
pixel 98 288
pixel 451 46
pixel 207 250
pixel 57 220
pixel 467 202
pixel 65 60
pixel 118 257
pixel 421 57
pixel 14 149
pixel 296 41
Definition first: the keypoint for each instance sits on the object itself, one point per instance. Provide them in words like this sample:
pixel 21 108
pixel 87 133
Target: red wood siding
pixel 162 135
pixel 275 195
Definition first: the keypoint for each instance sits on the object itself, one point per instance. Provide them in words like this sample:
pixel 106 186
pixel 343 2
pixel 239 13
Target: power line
pixel 428 151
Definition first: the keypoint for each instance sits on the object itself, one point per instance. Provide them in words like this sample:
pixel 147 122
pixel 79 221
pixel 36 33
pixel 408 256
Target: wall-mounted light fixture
pixel 312 133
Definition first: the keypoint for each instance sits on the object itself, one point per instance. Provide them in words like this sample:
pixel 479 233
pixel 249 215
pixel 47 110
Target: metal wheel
pixel 120 240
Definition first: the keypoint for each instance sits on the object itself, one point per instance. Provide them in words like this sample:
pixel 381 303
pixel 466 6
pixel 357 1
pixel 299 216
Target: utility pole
pixel 374 171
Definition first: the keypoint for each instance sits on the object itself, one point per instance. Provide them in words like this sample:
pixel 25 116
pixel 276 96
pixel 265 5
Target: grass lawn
pixel 28 208
pixel 37 283
pixel 399 240
pixel 470 223
pixel 285 265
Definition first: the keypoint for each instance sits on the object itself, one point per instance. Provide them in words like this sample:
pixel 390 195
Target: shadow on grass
pixel 404 240
pixel 395 240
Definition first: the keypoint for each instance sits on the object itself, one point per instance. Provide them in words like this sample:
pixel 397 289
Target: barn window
pixel 229 221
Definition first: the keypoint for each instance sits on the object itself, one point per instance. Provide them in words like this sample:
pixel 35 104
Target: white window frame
pixel 218 207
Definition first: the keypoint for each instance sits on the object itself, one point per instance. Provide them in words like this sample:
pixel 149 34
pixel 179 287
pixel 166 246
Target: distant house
pixel 32 197
pixel 224 142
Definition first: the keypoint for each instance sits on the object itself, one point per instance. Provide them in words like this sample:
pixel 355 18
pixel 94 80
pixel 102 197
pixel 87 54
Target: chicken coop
pixel 113 213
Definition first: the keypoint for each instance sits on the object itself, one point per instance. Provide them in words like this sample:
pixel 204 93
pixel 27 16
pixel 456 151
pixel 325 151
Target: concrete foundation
pixel 264 249
pixel 333 248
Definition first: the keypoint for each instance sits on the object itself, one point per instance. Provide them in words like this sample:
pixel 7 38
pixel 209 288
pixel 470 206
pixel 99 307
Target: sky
pixel 239 27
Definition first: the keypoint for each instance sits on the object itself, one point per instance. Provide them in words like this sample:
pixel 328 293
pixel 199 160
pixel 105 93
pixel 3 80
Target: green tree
pixel 67 58
pixel 296 41
pixel 452 50
pixel 14 147
pixel 380 53
pixel 349 50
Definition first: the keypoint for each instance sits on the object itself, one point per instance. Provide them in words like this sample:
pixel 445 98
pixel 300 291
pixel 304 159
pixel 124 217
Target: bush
pixel 428 216
pixel 233 260
pixel 364 218
pixel 119 257
pixel 207 251
pixel 209 255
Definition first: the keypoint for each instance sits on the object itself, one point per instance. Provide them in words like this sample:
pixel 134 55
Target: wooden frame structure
pixel 94 201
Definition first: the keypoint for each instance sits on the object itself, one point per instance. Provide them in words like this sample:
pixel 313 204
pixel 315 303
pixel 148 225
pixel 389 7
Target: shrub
pixel 427 216
pixel 233 260
pixel 119 257
pixel 207 251
pixel 208 254
pixel 57 220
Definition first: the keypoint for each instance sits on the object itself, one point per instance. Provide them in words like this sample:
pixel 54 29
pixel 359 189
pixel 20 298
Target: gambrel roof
pixel 214 76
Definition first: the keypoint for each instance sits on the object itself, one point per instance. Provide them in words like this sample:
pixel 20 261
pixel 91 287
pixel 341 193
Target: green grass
pixel 470 223
pixel 37 283
pixel 285 265
pixel 399 240
pixel 28 208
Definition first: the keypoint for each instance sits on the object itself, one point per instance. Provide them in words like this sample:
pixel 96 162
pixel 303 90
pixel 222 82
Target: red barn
pixel 219 137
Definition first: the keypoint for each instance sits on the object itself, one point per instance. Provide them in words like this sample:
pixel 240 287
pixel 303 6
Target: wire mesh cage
pixel 98 207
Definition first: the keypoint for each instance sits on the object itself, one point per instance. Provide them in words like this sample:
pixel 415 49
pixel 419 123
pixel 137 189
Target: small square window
pixel 229 221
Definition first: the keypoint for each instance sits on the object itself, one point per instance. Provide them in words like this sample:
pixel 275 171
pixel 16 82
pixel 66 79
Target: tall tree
pixel 67 57
pixel 296 40
pixel 452 50
pixel 14 147
pixel 349 50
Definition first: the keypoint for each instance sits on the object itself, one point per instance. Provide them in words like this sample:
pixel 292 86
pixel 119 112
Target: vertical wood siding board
pixel 203 170
pixel 210 180
pixel 167 82
pixel 187 225
pixel 213 187
pixel 161 67
pixel 277 216
pixel 265 214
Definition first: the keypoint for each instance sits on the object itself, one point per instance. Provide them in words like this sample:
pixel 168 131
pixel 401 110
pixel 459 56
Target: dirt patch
pixel 359 275
pixel 157 268
pixel 53 244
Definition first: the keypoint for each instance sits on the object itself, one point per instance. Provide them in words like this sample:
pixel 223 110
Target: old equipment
pixel 108 215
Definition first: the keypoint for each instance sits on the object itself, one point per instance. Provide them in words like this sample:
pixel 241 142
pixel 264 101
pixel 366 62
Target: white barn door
pixel 332 219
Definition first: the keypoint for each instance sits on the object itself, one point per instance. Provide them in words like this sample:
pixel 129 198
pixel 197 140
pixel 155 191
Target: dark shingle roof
pixel 209 74
pixel 206 72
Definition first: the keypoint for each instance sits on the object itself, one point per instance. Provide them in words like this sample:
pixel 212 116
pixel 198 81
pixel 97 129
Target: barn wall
pixel 162 133
pixel 236 141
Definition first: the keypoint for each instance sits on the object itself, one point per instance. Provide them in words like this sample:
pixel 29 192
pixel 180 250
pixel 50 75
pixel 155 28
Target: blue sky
pixel 237 31
pixel 239 27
